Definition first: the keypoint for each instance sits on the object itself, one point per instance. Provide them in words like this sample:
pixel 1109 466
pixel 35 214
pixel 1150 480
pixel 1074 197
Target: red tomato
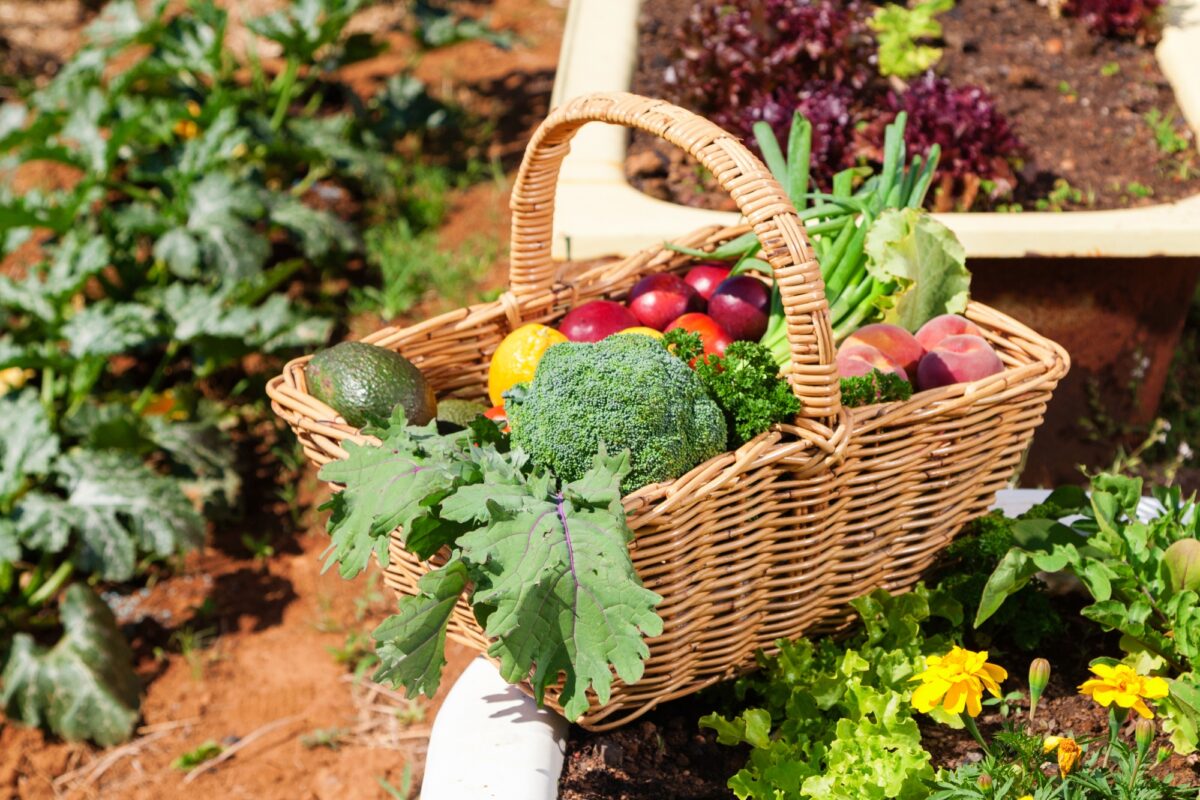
pixel 714 339
pixel 498 415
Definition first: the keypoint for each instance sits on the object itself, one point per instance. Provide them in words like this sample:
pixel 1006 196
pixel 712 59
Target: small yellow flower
pixel 13 378
pixel 1068 752
pixel 1025 797
pixel 1121 684
pixel 193 108
pixel 186 129
pixel 956 681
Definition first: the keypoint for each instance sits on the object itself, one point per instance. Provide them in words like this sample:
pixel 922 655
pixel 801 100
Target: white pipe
pixel 490 741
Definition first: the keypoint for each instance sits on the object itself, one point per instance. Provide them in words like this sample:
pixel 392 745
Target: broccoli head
pixel 622 393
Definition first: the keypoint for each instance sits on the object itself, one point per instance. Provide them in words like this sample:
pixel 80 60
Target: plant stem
pixel 286 84
pixel 48 378
pixel 969 724
pixel 50 588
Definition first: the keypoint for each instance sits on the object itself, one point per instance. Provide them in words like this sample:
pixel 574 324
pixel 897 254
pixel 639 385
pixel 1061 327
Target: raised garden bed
pixel 1112 286
pixel 1053 114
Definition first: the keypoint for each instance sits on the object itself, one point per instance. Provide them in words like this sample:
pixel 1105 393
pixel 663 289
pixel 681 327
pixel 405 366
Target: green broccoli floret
pixel 621 393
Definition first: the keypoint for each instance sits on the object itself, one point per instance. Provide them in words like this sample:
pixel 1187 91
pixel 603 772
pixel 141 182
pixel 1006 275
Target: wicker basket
pixel 770 541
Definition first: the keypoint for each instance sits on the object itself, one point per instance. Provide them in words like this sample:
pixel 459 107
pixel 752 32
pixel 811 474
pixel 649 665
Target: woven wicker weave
pixel 770 541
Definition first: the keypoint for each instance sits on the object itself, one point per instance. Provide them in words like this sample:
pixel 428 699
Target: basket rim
pixel 814 444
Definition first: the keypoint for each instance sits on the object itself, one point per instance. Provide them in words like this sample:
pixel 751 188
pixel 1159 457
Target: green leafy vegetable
pixel 899 30
pixel 547 561
pixel 836 720
pixel 878 387
pixel 923 260
pixel 746 384
pixel 91 659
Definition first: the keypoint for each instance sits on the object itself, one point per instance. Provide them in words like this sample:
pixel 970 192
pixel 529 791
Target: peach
pixel 958 359
pixel 859 359
pixel 945 325
pixel 893 341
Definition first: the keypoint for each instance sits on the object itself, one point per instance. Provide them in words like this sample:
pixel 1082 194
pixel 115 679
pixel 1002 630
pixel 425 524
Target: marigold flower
pixel 1025 797
pixel 1068 752
pixel 186 129
pixel 1122 685
pixel 956 681
pixel 13 378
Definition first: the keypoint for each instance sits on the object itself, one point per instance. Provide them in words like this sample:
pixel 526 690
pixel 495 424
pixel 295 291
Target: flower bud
pixel 1183 564
pixel 1143 734
pixel 984 781
pixel 1039 676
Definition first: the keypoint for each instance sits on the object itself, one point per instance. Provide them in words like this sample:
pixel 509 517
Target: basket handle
pixel 785 245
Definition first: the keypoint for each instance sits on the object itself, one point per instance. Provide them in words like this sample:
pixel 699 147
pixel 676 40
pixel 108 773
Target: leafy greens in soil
pixel 831 718
pixel 192 209
pixel 1012 138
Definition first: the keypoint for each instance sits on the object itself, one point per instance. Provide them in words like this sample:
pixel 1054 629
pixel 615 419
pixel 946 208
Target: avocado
pixel 361 380
pixel 458 411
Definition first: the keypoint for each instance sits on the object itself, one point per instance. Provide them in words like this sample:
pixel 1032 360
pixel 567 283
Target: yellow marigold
pixel 1122 685
pixel 13 378
pixel 1068 752
pixel 956 681
pixel 187 129
pixel 1025 797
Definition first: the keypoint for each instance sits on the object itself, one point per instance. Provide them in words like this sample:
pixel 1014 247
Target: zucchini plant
pixel 188 208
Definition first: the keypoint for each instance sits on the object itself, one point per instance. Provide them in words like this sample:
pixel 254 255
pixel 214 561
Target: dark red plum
pixel 657 299
pixel 741 306
pixel 592 321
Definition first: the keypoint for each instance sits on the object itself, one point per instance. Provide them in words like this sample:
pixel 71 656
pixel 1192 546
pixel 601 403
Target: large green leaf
pixel 412 644
pixel 386 488
pixel 44 522
pixel 27 444
pixel 563 592
pixel 82 688
pixel 220 329
pixel 217 215
pixel 320 232
pixel 925 261
pixel 125 510
pixel 107 328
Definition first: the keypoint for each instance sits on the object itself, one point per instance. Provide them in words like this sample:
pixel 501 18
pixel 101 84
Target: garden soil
pixel 667 756
pixel 232 648
pixel 1077 102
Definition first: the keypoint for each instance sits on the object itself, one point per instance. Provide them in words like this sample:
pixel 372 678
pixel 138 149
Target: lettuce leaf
pixel 925 261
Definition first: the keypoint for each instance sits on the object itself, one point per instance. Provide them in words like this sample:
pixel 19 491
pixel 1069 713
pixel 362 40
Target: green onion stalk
pixel 837 223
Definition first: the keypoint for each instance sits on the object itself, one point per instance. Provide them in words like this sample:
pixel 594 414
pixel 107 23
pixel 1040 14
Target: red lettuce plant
pixel 976 140
pixel 735 56
pixel 832 109
pixel 1136 19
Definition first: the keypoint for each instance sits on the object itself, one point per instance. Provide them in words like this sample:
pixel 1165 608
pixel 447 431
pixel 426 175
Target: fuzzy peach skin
pixel 958 359
pixel 893 341
pixel 938 328
pixel 859 359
